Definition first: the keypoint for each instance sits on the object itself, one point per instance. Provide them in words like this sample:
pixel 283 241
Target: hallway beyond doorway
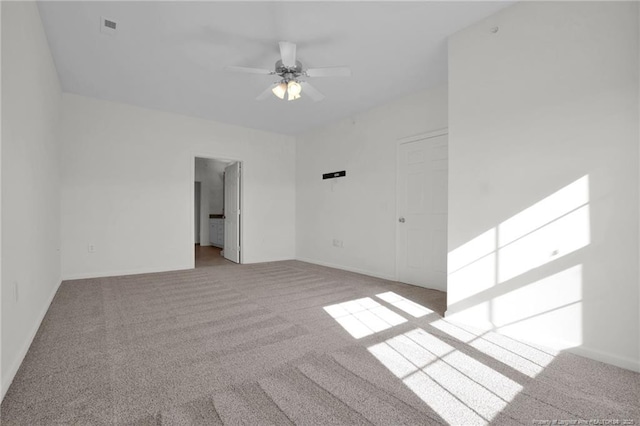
pixel 210 256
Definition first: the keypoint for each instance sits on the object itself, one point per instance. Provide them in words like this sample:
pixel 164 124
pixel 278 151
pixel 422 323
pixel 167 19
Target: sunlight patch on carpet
pixel 363 317
pixel 406 305
pixel 457 387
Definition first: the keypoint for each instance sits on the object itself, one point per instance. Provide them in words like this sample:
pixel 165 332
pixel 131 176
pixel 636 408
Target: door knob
pixel 401 220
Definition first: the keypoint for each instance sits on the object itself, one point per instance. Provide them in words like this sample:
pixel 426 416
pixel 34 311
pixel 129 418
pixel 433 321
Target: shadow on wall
pixel 488 281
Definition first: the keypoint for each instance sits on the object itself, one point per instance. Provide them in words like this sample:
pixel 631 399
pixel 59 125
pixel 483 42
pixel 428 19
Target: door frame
pixel 401 141
pixel 197 202
pixel 192 178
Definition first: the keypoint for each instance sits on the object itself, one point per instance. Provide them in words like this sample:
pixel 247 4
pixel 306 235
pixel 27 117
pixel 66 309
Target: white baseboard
pixel 606 357
pixel 267 260
pixel 86 275
pixel 347 268
pixel 8 376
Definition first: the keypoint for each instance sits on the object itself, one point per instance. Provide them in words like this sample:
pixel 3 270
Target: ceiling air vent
pixel 107 26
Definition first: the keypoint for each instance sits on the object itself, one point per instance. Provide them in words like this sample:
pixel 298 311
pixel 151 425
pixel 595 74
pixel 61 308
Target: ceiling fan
pixel 290 72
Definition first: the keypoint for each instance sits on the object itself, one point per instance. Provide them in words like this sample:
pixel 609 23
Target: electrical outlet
pixel 91 248
pixel 337 243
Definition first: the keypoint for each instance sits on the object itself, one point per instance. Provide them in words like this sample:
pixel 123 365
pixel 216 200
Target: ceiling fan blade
pixel 249 70
pixel 311 91
pixel 329 72
pixel 264 95
pixel 288 53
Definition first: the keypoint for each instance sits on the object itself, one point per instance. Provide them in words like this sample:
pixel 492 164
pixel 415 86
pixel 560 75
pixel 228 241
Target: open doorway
pixel 216 203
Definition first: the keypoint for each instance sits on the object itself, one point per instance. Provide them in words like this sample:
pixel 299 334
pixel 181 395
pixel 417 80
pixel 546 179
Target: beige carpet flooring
pixel 291 343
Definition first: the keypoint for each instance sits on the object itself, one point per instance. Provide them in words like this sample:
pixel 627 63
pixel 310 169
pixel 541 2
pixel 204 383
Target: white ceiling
pixel 170 55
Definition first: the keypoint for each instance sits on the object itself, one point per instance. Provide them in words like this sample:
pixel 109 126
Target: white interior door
pixel 232 212
pixel 421 247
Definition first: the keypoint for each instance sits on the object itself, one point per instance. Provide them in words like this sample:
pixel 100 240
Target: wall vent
pixel 108 26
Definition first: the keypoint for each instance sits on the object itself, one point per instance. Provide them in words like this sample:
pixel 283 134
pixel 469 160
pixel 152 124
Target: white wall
pixel 358 209
pixel 2 384
pixel 209 173
pixel 30 184
pixel 551 98
pixel 198 211
pixel 203 214
pixel 216 186
pixel 127 187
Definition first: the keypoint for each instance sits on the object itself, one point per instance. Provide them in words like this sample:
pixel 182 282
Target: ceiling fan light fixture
pixel 294 89
pixel 280 90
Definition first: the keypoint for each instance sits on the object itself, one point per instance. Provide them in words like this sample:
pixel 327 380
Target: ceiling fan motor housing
pixel 288 73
